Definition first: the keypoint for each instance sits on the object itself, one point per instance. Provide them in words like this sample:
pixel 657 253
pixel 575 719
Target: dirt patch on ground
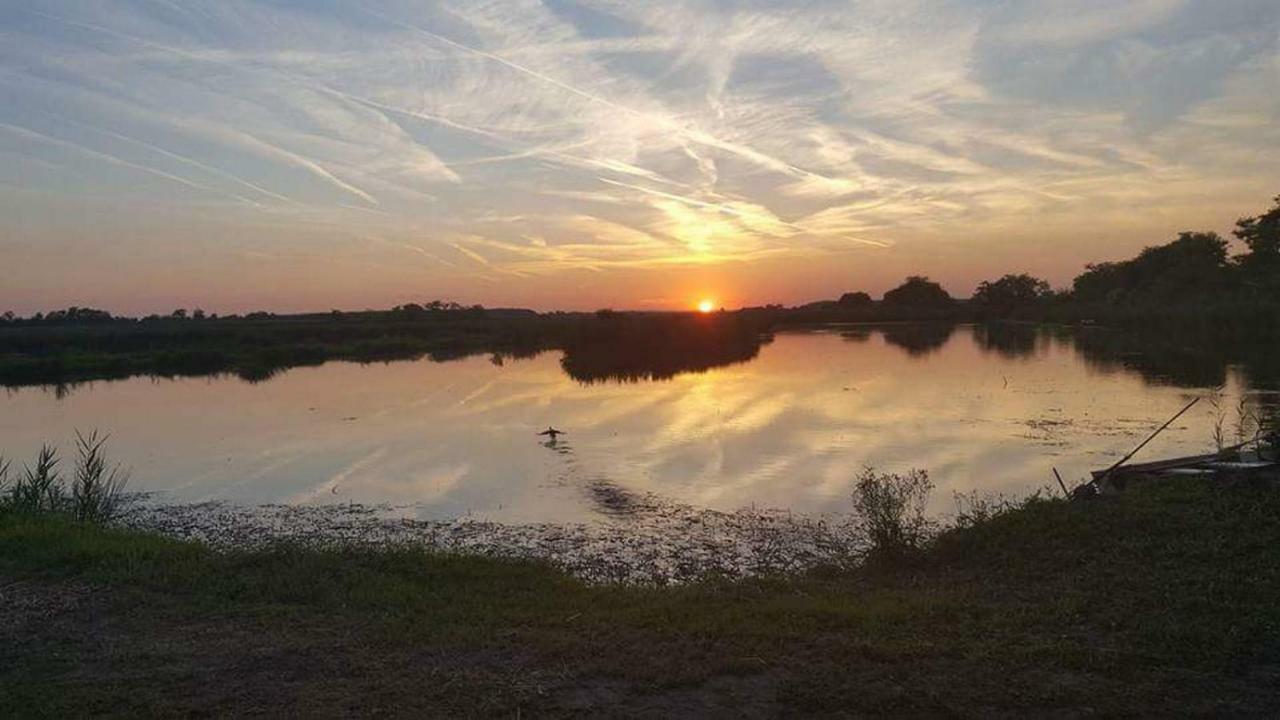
pixel 64 639
pixel 753 696
pixel 27 604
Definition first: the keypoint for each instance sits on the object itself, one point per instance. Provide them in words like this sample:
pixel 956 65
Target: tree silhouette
pixel 1193 266
pixel 855 299
pixel 918 291
pixel 1262 235
pixel 1010 293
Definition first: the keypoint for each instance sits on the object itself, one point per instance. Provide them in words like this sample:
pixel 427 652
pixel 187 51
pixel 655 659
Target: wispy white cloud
pixel 629 136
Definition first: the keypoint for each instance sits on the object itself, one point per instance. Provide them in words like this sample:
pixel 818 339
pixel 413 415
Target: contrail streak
pixel 295 159
pixel 411 247
pixel 193 163
pixel 573 161
pixel 113 160
pixel 697 136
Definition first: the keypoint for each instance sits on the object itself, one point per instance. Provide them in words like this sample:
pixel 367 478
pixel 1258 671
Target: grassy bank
pixel 1162 600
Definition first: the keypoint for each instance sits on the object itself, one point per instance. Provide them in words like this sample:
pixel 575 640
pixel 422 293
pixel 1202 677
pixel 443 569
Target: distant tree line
pixel 86 316
pixel 1191 275
pixel 413 310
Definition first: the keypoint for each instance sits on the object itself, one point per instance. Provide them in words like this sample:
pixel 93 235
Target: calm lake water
pixel 789 429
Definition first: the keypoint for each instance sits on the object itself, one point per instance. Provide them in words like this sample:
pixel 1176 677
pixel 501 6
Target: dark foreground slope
pixel 1159 601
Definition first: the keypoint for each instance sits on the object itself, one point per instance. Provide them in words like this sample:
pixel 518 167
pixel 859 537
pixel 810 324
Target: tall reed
pixel 4 479
pixel 97 487
pixel 39 488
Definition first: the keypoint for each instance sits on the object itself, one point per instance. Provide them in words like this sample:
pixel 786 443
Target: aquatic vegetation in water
pixel 657 542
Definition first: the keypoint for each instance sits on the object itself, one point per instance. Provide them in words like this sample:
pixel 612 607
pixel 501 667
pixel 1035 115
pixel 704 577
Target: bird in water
pixel 552 433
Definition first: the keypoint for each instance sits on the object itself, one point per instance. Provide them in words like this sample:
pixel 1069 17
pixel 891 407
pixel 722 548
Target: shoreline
pixel 657 543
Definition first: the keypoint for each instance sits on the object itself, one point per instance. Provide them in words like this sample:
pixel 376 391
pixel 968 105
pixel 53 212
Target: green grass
pixel 1162 600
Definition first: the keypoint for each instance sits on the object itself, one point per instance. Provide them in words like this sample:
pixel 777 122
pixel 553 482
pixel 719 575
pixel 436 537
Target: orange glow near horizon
pixel 706 305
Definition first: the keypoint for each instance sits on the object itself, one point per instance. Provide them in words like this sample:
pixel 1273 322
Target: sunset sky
pixel 316 154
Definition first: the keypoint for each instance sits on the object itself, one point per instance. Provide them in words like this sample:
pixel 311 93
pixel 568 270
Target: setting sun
pixel 706 306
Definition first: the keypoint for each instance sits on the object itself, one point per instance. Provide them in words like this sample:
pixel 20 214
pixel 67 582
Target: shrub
pixel 978 508
pixel 891 510
pixel 97 487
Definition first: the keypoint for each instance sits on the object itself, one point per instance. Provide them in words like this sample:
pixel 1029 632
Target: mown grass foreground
pixel 1162 600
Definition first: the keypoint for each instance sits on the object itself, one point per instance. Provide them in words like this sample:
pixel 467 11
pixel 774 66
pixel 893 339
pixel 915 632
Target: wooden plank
pixel 1171 463
pixel 1255 465
pixel 1158 465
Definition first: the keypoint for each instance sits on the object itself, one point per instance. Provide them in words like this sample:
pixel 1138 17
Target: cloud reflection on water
pixel 790 429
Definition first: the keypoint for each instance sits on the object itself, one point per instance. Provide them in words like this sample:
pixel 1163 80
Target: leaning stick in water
pixel 1161 429
pixel 1060 483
